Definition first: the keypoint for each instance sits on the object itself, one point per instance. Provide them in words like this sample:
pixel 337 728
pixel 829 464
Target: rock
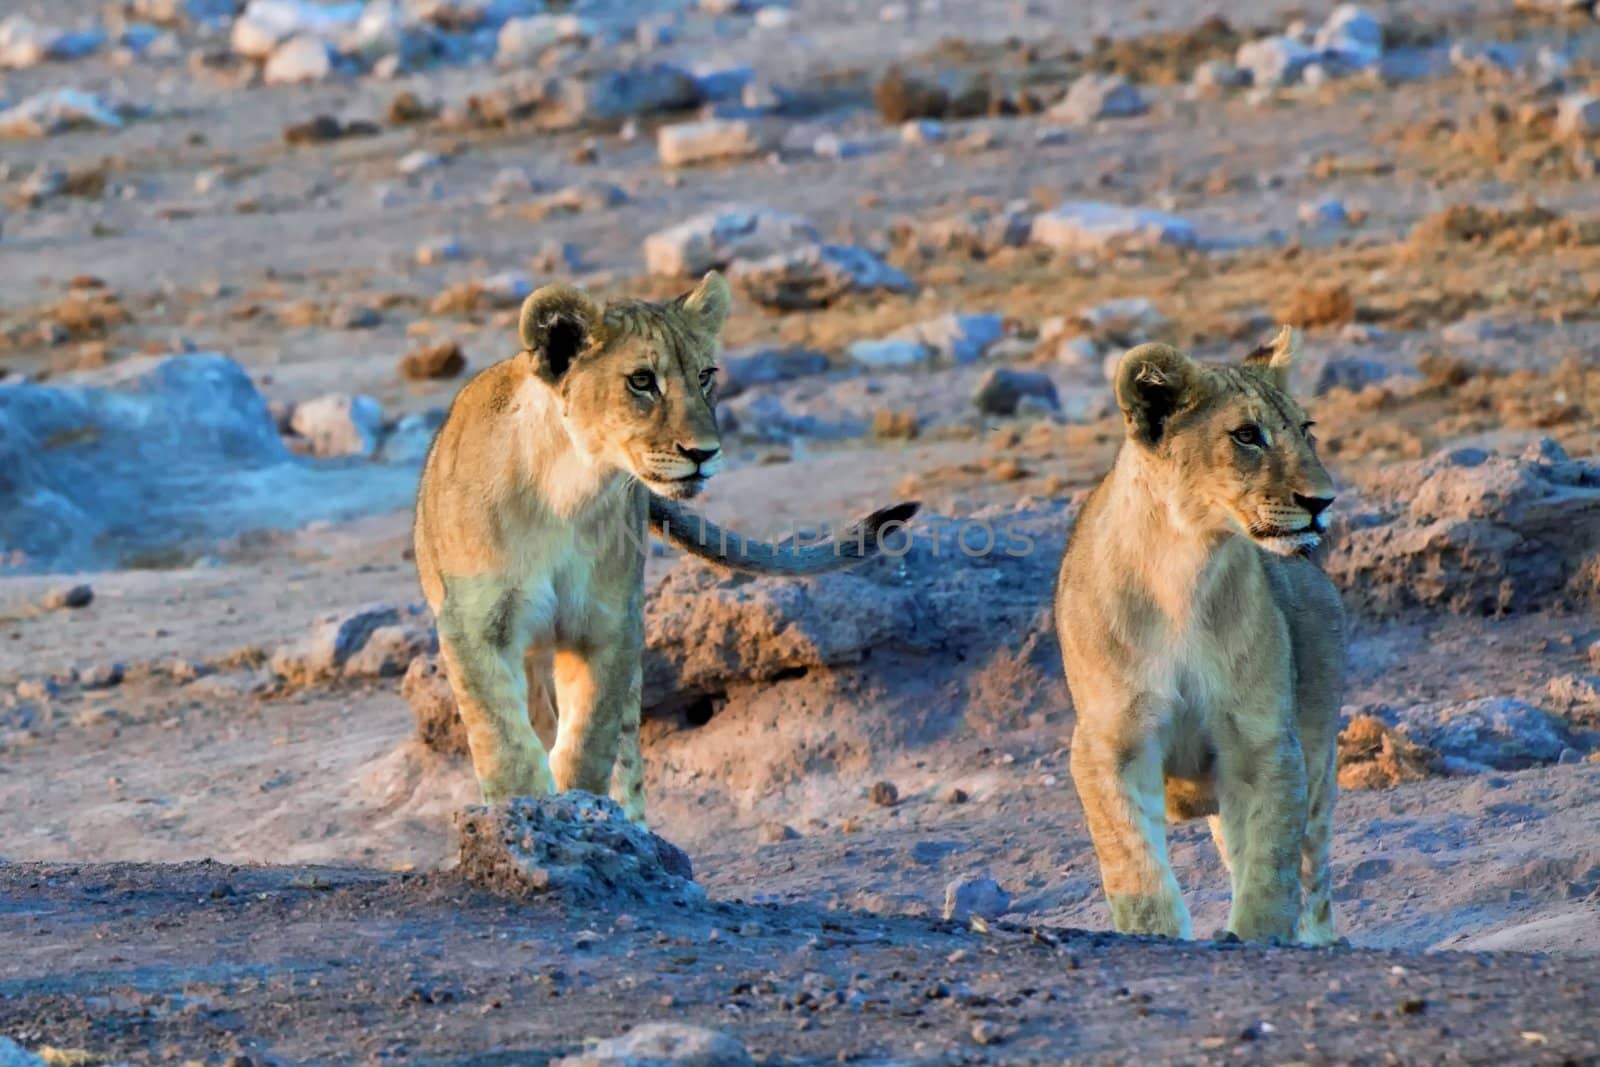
pixel 1471 532
pixel 663 1045
pixel 266 24
pixel 14 1055
pixel 923 131
pixel 689 143
pixel 884 794
pixel 957 795
pixel 1352 36
pixel 57 111
pixel 44 184
pixel 815 276
pixel 354 317
pixel 1002 390
pixel 719 82
pixel 103 676
pixel 25 44
pixel 339 425
pixel 1217 76
pixel 442 360
pixel 1477 59
pixel 1507 735
pixel 890 353
pixel 523 40
pixel 613 95
pixel 985 1032
pixel 438 250
pixel 510 185
pixel 433 706
pixel 72 596
pixel 1578 116
pixel 978 230
pixel 418 160
pixel 299 59
pixel 768 366
pixel 774 833
pixel 1095 227
pixel 390 651
pixel 1475 330
pixel 1574 691
pixel 1124 323
pixel 576 847
pixel 717 238
pixel 333 640
pixel 413 436
pixel 1273 62
pixel 586 196
pixel 1099 96
pixel 1352 374
pixel 1329 211
pixel 386 31
pixel 977 895
pixel 956 339
pixel 509 288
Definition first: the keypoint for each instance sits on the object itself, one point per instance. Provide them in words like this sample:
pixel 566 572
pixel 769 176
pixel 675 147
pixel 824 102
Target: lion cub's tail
pixel 701 537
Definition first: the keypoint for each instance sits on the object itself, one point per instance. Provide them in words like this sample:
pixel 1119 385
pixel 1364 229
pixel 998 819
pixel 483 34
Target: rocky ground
pixel 252 252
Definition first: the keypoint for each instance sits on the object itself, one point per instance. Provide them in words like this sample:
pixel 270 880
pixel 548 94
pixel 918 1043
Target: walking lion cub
pixel 1204 647
pixel 530 531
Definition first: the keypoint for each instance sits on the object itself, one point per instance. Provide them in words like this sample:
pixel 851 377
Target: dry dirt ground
pixel 202 863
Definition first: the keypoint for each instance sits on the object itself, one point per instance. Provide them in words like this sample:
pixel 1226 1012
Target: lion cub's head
pixel 1229 446
pixel 636 381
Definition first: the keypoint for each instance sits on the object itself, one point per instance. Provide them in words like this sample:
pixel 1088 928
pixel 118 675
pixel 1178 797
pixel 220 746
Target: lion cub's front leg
pixel 1119 779
pixel 482 640
pixel 1261 791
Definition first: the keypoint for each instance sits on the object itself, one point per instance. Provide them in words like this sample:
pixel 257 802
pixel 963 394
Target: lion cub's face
pixel 636 380
pixel 1237 449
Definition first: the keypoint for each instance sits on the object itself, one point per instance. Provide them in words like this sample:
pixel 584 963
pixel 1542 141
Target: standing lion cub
pixel 530 531
pixel 1204 647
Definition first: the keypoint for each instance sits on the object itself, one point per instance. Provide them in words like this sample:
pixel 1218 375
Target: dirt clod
pixel 885 794
pixel 443 360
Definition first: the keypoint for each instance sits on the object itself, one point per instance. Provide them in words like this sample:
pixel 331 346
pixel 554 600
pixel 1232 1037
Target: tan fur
pixel 530 528
pixel 1204 648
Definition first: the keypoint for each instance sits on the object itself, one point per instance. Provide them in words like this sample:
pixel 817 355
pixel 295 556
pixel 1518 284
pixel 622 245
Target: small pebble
pixel 77 596
pixel 885 794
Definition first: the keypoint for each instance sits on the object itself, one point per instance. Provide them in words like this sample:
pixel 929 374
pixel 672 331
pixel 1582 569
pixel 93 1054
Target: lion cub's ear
pixel 1153 381
pixel 710 302
pixel 1277 355
pixel 556 324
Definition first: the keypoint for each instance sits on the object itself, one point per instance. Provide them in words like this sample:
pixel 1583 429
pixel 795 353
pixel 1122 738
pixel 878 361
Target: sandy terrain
pixel 200 860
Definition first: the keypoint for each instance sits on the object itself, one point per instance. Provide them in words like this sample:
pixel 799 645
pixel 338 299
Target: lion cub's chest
pixel 573 578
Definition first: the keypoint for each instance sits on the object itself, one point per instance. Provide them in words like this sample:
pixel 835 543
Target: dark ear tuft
pixel 1277 355
pixel 555 326
pixel 1153 382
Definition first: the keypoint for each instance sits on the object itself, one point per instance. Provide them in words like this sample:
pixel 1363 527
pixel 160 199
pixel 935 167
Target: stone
pixel 717 238
pixel 575 847
pixel 24 43
pixel 884 794
pixel 334 640
pixel 389 651
pixel 1352 374
pixel 1096 227
pixel 886 354
pixel 57 111
pixel 1099 96
pixel 299 59
pixel 815 276
pixel 1217 76
pixel 663 1045
pixel 266 24
pixel 438 250
pixel 509 288
pixel 1124 323
pixel 954 338
pixel 768 366
pixel 14 1055
pixel 354 317
pixel 433 706
pixel 1495 732
pixel 103 676
pixel 72 596
pixel 923 131
pixel 1003 389
pixel 978 230
pixel 975 895
pixel 709 140
pixel 832 146
pixel 510 185
pixel 46 183
pixel 417 161
pixel 1329 212
pixel 774 833
pixel 339 425
pixel 1578 116
pixel 719 82
pixel 523 40
pixel 1352 36
pixel 556 257
pixel 614 95
pixel 413 436
pixel 1273 62
pixel 585 196
pixel 433 362
pixel 1474 58
pixel 1475 330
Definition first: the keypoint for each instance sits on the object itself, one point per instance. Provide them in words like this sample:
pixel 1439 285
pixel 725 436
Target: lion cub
pixel 1204 647
pixel 530 530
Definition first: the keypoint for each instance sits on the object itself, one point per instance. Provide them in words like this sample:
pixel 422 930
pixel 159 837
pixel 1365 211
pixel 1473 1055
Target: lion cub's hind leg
pixel 539 666
pixel 482 635
pixel 1123 798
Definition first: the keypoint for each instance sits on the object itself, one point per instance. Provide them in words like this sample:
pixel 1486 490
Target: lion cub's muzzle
pixel 682 474
pixel 1293 531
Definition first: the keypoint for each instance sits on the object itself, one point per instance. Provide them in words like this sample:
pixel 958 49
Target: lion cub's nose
pixel 1314 504
pixel 698 455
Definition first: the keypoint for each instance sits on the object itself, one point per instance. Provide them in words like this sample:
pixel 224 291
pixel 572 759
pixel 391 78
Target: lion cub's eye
pixel 642 381
pixel 1249 435
pixel 707 378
